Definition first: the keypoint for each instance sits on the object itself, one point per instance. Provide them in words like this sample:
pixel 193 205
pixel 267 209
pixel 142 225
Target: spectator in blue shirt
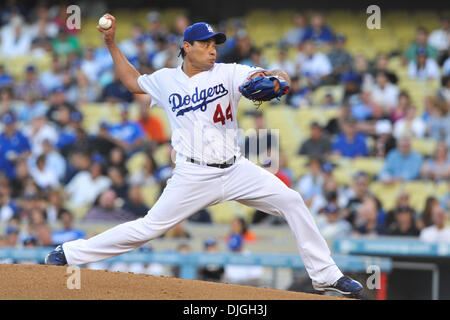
pixel 128 134
pixel 402 164
pixel 5 79
pixel 13 145
pixel 68 233
pixel 350 143
pixel 116 91
pixel 318 32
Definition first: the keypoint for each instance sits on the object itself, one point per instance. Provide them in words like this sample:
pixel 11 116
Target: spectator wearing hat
pixel 402 164
pixel 317 145
pixel 31 85
pixel 384 141
pixel 421 42
pixel 437 232
pixel 14 145
pixel 11 238
pixel 423 68
pixel 69 127
pixel 350 143
pixel 331 225
pixel 210 272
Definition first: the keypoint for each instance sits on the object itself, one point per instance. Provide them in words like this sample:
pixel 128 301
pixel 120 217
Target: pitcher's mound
pixel 50 282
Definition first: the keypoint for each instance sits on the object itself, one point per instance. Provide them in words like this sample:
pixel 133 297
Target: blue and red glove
pixel 262 88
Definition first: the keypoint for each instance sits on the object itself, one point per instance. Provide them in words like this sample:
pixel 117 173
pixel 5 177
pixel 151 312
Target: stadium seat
pixel 150 194
pixel 387 194
pixel 372 166
pixel 225 212
pixel 426 147
pixel 135 163
pixel 419 191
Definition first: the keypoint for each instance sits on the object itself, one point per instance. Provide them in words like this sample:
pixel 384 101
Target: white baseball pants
pixel 193 187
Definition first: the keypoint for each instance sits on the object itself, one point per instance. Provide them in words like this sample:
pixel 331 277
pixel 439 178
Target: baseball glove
pixel 262 88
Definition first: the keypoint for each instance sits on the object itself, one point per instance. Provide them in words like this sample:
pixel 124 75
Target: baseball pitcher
pixel 201 99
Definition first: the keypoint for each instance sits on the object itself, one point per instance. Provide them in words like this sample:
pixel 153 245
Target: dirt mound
pixel 50 282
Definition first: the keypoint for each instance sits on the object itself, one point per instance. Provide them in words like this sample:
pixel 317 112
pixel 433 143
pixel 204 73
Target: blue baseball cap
pixel 202 31
pixel 331 208
pixel 11 230
pixel 8 118
pixel 209 242
pixel 76 116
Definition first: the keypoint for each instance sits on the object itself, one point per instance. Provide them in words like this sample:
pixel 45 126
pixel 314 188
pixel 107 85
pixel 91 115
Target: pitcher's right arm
pixel 127 73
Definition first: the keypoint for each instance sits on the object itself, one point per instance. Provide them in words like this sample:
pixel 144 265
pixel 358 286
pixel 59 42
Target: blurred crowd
pixel 50 163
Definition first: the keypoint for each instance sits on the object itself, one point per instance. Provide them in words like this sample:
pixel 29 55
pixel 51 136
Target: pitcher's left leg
pixel 256 187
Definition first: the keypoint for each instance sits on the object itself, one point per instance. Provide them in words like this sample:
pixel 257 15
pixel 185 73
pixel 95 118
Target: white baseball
pixel 104 23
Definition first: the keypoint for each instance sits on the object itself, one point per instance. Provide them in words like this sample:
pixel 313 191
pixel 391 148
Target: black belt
pixel 222 165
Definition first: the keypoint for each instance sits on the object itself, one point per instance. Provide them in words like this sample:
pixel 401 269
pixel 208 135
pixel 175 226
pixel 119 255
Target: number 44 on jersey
pixel 220 117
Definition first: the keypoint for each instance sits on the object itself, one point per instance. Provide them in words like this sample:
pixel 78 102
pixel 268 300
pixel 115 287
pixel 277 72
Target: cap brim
pixel 219 37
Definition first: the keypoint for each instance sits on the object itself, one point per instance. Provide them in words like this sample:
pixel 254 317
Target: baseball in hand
pixel 104 23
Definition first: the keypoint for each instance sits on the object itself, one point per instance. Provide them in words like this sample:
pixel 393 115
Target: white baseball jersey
pixel 202 112
pixel 201 109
